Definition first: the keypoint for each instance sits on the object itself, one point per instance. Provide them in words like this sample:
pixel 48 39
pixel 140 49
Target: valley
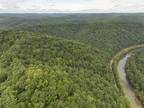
pixel 62 60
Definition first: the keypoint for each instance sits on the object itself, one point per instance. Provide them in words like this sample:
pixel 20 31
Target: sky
pixel 71 6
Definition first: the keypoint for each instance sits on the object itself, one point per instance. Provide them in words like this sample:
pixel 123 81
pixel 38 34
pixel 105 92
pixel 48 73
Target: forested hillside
pixel 40 71
pixel 63 61
pixel 135 73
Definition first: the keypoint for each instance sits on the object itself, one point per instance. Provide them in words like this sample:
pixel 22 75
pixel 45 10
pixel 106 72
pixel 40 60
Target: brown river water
pixel 135 103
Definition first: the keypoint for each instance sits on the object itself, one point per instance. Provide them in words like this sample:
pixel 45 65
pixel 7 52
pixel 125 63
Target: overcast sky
pixel 92 6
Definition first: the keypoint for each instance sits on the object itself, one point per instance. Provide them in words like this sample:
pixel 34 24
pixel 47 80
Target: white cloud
pixel 67 7
pixel 11 4
pixel 72 5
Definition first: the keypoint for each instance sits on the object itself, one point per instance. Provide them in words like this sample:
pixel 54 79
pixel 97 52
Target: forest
pixel 63 61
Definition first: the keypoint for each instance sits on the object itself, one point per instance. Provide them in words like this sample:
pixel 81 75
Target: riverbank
pixel 128 90
pixel 114 63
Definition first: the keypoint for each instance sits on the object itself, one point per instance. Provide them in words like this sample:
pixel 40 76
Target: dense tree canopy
pixel 47 72
pixel 62 61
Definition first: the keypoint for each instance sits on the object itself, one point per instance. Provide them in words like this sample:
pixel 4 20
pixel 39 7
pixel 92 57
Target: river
pixel 135 103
